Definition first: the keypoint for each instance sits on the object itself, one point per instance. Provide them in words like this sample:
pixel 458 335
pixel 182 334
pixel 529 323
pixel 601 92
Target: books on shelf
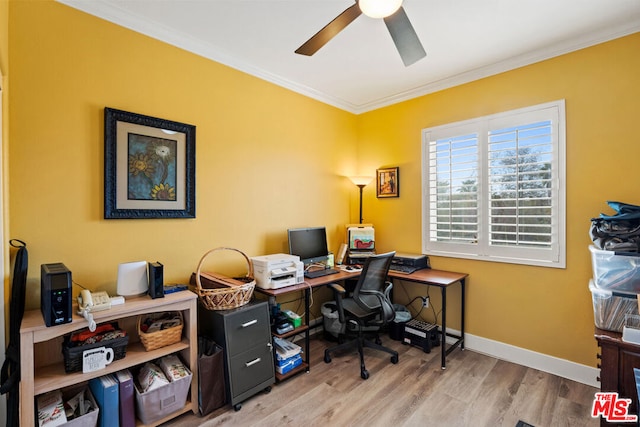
pixel 51 409
pixel 105 389
pixel 127 406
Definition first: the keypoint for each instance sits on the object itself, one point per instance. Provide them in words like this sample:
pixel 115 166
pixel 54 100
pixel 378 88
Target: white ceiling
pixel 359 69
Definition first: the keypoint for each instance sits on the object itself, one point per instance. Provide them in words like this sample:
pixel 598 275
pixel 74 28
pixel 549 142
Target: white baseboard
pixel 543 362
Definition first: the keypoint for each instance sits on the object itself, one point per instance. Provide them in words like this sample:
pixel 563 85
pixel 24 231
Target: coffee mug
pixel 96 359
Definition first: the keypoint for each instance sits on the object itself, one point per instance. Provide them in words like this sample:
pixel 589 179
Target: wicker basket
pixel 161 338
pixel 224 293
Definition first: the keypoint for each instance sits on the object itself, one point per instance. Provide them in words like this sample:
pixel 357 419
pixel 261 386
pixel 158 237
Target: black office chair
pixel 368 310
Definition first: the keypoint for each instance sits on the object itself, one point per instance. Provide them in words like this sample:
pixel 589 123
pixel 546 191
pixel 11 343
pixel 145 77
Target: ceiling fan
pixel 398 24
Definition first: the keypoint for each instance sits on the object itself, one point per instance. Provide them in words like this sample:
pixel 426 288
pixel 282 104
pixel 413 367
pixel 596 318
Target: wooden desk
pixel 443 280
pixel 427 277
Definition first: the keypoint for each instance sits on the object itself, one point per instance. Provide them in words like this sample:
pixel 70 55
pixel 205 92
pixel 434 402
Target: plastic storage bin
pixel 156 404
pixel 609 310
pixel 616 272
pixel 90 419
pixel 331 320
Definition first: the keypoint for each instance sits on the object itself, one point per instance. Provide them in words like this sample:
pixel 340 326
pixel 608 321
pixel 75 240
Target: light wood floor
pixel 474 390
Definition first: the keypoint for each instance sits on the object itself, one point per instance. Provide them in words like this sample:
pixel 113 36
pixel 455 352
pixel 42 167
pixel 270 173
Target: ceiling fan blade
pixel 404 37
pixel 329 31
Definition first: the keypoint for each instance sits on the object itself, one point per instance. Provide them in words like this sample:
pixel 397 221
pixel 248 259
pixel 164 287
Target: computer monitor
pixel 309 243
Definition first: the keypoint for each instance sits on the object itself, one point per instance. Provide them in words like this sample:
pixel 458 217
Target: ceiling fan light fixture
pixel 379 8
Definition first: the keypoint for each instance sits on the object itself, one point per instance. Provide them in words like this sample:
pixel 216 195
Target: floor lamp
pixel 361 182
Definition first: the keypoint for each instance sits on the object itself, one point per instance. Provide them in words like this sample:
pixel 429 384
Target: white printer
pixel 277 270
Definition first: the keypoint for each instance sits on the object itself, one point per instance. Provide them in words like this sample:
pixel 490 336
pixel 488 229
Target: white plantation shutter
pixel 453 195
pixel 493 187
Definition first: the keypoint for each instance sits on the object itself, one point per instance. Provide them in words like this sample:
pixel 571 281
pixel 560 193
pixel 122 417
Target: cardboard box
pixel 286 365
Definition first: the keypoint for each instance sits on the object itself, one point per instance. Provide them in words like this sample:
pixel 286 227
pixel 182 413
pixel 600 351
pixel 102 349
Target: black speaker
pixel 55 294
pixel 156 280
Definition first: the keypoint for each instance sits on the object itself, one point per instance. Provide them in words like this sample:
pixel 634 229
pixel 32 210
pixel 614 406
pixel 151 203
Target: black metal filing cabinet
pixel 245 335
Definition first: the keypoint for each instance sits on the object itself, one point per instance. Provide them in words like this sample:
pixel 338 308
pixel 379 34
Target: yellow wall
pixel 269 159
pixel 542 309
pixel 4 83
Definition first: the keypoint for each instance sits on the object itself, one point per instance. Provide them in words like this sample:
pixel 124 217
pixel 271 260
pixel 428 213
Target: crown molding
pixel 122 17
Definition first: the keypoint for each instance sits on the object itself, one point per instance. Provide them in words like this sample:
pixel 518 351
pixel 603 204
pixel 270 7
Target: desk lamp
pixel 361 182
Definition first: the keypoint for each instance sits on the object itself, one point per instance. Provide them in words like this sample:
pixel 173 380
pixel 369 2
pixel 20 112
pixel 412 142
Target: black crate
pixel 73 354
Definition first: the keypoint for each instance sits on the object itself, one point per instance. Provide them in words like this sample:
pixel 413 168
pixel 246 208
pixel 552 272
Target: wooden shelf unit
pixel 42 363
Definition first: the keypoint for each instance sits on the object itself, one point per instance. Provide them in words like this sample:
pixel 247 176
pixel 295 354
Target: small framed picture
pixel 149 167
pixel 388 182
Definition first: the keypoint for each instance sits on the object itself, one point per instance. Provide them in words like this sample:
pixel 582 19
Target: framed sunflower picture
pixel 149 167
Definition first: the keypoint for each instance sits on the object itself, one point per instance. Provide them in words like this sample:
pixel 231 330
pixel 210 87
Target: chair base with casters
pixel 370 306
pixel 360 343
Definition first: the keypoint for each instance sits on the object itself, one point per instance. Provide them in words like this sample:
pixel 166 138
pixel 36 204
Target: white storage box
pixel 631 329
pixel 609 310
pixel 157 404
pixel 615 272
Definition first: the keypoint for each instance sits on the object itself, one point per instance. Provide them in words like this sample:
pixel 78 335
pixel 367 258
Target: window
pixel 493 187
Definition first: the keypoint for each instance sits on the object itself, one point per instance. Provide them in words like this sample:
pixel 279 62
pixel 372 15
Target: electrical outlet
pixel 425 301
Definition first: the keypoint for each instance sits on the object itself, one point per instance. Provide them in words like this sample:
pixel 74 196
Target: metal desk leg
pixel 443 344
pixel 307 293
pixel 462 305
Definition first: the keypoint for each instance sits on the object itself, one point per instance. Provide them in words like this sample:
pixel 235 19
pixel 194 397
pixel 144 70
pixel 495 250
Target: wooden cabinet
pixel 618 358
pixel 245 336
pixel 42 363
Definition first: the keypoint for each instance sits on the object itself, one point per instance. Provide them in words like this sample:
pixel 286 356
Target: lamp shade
pixel 361 180
pixel 379 8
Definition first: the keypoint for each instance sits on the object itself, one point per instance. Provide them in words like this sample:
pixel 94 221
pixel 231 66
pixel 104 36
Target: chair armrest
pixel 338 292
pixel 384 300
pixel 387 290
pixel 337 288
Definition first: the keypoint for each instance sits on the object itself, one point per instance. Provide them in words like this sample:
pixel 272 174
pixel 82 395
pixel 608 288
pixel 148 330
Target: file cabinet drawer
pixel 250 368
pixel 245 328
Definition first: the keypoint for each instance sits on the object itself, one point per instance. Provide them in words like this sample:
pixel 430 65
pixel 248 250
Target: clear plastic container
pixel 609 310
pixel 615 272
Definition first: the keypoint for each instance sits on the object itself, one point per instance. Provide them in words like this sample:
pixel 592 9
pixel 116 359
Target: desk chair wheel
pixel 394 359
pixel 364 374
pixel 327 357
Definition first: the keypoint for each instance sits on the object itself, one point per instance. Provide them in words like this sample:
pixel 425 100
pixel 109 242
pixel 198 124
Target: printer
pixel 277 270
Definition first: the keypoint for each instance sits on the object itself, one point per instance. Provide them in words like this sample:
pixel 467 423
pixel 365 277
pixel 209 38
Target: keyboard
pixel 319 273
pixel 403 269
